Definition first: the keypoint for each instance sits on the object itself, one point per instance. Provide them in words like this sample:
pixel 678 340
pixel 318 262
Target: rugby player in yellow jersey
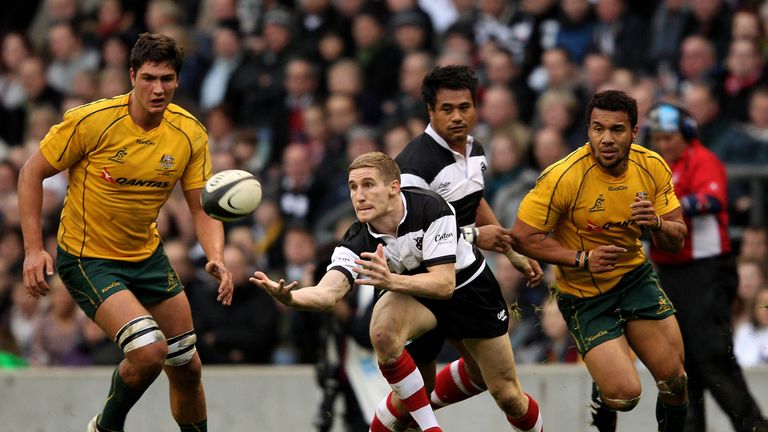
pixel 586 215
pixel 124 156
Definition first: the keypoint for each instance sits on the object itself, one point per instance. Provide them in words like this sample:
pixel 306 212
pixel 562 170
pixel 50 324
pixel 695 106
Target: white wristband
pixel 471 234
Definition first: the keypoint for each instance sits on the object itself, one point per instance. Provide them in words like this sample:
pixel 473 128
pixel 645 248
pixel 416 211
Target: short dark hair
pixel 453 77
pixel 613 100
pixel 156 48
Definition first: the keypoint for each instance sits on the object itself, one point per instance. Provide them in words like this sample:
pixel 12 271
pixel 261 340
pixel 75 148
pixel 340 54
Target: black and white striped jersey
pixel 428 162
pixel 426 236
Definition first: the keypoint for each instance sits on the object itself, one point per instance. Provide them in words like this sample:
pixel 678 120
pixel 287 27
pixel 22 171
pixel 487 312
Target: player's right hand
pixel 279 290
pixel 604 258
pixel 37 266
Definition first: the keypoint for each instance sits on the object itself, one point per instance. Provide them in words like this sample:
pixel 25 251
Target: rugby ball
pixel 231 195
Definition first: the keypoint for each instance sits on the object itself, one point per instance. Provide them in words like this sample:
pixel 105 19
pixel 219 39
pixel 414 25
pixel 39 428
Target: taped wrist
pixel 471 234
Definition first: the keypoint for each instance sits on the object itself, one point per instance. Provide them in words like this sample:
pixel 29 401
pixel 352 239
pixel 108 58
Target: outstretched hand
pixel 374 266
pixel 224 276
pixel 279 290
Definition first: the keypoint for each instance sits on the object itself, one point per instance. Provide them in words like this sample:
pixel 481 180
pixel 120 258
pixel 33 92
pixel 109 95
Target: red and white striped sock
pixel 531 421
pixel 453 384
pixel 387 418
pixel 408 384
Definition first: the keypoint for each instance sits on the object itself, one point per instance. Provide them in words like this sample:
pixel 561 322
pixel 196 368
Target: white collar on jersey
pixel 405 214
pixel 431 132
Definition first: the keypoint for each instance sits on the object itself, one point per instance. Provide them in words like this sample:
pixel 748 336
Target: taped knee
pixel 181 348
pixel 139 332
pixel 674 386
pixel 620 404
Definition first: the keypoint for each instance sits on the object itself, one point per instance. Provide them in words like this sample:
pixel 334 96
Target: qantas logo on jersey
pixel 145 183
pixel 106 176
pixel 609 225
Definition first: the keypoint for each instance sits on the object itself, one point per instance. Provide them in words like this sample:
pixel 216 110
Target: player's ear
pixel 394 187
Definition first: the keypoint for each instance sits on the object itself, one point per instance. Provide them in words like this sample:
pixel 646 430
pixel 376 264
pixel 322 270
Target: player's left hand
pixel 224 276
pixel 529 267
pixel 494 238
pixel 374 266
pixel 644 214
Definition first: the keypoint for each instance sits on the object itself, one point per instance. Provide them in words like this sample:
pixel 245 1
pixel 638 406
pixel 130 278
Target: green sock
pixel 120 400
pixel 671 418
pixel 196 427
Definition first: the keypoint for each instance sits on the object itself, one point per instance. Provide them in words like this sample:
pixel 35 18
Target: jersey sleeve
pixel 440 241
pixel 665 200
pixel 199 168
pixel 540 208
pixel 65 143
pixel 343 260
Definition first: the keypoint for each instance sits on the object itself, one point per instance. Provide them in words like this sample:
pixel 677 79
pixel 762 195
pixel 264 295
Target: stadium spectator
pixel 379 58
pixel 575 24
pixel 705 108
pixel 499 113
pixel 754 244
pixel 57 338
pixel 68 56
pixel 227 55
pixel 752 277
pixel 548 147
pixel 704 265
pixel 621 35
pixel 558 109
pixel 607 289
pixel 697 64
pixel 597 71
pixel 245 332
pixel 711 19
pixel 407 104
pixel 255 86
pixel 14 48
pixel 744 71
pixel 667 33
pixel 750 345
pixel 23 319
pixel 142 300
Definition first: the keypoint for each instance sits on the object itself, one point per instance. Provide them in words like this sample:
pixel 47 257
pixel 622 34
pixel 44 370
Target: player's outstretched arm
pixel 330 290
pixel 210 234
pixel 38 263
pixel 492 236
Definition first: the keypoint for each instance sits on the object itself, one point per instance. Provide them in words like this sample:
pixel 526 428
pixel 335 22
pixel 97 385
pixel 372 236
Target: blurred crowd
pixel 292 91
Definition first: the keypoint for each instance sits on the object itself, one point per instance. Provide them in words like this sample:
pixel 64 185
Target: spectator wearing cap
pixel 410 31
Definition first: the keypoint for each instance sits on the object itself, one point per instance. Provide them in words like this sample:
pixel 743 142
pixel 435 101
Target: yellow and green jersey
pixel 582 208
pixel 120 175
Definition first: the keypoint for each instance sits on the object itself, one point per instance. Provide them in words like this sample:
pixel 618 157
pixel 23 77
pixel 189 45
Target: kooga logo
pixel 145 183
